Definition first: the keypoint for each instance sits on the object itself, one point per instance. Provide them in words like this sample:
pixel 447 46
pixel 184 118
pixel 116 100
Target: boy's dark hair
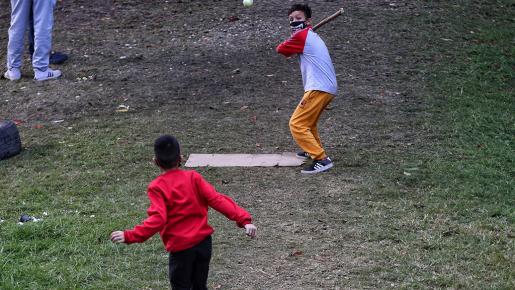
pixel 167 151
pixel 301 7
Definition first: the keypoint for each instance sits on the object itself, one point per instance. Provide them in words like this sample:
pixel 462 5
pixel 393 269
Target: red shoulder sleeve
pixel 221 202
pixel 155 221
pixel 295 44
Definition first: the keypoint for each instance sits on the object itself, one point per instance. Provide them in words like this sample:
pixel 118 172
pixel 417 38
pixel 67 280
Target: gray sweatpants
pixel 43 12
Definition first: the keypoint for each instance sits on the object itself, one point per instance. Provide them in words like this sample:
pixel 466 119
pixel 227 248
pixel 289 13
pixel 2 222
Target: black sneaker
pixel 302 155
pixel 57 58
pixel 318 166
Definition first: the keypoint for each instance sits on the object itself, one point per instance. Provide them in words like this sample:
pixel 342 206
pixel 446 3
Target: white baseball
pixel 247 3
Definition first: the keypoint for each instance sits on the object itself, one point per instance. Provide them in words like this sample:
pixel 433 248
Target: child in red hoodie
pixel 179 201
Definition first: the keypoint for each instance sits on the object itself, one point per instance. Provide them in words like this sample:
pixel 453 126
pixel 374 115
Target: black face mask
pixel 297 25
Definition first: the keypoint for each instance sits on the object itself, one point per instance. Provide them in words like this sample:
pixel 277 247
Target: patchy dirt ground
pixel 211 65
pixel 207 54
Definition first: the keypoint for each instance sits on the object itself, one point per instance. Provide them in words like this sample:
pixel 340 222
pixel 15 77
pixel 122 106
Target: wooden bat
pixel 328 19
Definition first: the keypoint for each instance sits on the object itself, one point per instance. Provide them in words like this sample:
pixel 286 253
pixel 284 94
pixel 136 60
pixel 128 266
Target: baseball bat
pixel 328 19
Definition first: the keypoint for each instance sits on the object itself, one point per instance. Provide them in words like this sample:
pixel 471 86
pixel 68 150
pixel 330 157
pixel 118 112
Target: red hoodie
pixel 179 201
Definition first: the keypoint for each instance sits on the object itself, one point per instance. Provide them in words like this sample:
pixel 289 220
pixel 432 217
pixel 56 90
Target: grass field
pixel 455 229
pixel 436 214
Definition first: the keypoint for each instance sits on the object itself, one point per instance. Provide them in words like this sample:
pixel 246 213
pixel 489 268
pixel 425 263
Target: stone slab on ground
pixel 243 160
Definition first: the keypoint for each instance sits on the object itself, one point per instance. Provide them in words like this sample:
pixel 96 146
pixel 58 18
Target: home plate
pixel 243 160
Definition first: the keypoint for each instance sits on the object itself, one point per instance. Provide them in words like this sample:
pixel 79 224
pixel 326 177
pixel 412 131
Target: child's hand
pixel 117 237
pixel 250 230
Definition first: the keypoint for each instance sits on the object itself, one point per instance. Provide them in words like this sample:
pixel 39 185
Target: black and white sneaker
pixel 49 74
pixel 318 166
pixel 302 155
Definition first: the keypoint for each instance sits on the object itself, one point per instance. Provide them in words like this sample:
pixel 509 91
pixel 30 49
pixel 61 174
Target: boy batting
pixel 320 86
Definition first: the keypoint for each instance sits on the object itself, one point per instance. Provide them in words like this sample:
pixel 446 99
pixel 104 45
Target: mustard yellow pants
pixel 303 122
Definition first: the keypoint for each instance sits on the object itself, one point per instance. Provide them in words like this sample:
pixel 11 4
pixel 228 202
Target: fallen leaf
pixel 122 109
pixel 297 253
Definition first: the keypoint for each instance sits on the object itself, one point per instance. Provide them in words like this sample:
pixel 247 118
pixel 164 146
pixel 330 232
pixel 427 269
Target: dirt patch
pixel 205 54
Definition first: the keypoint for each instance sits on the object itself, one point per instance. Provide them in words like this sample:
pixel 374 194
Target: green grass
pixel 454 227
pixel 474 108
pixel 70 175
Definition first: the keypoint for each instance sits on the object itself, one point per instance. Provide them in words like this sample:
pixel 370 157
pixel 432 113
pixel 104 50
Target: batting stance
pixel 320 86
pixel 43 24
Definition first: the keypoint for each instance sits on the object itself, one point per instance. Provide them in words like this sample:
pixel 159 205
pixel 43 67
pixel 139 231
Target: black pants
pixel 188 269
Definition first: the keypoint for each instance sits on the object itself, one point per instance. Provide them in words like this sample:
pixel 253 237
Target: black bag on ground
pixel 10 143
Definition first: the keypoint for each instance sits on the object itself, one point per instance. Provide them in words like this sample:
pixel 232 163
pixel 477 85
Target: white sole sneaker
pixel 12 75
pixel 49 74
pixel 318 166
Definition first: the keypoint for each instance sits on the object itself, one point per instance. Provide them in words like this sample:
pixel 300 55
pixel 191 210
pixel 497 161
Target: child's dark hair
pixel 167 152
pixel 301 7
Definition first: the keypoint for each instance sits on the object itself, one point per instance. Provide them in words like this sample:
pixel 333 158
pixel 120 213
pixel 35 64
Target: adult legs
pixel 55 57
pixel 20 10
pixel 43 12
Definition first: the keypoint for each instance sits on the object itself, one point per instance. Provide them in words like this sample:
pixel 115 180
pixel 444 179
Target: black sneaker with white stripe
pixel 318 166
pixel 302 155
